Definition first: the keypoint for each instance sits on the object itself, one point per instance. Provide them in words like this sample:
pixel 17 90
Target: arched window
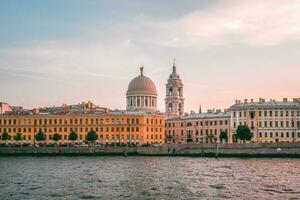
pixel 170 91
pixel 170 107
pixel 179 91
pixel 179 107
pixel 146 102
pixel 189 124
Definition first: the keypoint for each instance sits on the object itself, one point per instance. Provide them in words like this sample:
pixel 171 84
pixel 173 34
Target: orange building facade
pixel 116 127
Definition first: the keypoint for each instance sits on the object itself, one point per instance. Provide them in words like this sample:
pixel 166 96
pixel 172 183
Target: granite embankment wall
pixel 222 150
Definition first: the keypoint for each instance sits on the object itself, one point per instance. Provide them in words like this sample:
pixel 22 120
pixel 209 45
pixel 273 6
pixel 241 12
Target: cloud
pixel 258 23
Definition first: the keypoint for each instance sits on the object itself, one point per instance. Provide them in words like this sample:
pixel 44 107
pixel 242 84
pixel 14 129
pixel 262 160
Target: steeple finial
pixel 174 67
pixel 142 70
pixel 200 111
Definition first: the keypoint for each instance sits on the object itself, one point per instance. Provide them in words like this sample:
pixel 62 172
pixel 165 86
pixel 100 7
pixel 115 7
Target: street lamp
pixel 128 138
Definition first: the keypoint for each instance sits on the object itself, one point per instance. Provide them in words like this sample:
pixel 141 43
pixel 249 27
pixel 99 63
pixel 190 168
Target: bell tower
pixel 174 94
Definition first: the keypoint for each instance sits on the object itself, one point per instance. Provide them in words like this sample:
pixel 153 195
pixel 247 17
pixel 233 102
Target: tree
pixel 91 136
pixel 243 133
pixel 18 137
pixel 223 136
pixel 40 136
pixel 73 136
pixel 5 136
pixel 56 137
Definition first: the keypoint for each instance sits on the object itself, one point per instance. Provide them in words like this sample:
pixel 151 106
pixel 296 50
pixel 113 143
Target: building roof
pixel 267 105
pixel 201 116
pixel 141 85
pixel 95 113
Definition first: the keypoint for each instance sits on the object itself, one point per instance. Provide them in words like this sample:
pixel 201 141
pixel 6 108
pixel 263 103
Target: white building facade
pixel 269 121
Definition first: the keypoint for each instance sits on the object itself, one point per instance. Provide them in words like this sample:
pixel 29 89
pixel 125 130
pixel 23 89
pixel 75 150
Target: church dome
pixel 141 94
pixel 141 85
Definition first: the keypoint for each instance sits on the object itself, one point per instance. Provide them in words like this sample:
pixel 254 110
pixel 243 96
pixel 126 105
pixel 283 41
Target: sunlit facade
pixel 115 127
pixel 197 128
pixel 269 121
pixel 140 124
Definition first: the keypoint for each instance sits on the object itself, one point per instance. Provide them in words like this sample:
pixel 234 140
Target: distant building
pixel 174 95
pixel 190 128
pixel 197 128
pixel 269 121
pixel 5 108
pixel 140 124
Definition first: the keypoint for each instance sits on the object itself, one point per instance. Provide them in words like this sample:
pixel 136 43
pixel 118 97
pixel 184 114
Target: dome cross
pixel 142 70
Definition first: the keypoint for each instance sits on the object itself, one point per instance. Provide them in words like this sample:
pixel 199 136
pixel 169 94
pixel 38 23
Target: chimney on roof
pixel 295 99
pixel 285 99
pixel 251 100
pixel 245 100
pixel 218 111
pixel 210 111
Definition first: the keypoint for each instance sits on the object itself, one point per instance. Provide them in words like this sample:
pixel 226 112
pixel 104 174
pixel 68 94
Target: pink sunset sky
pixel 54 52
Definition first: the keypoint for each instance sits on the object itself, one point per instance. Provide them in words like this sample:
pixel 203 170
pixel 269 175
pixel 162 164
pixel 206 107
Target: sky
pixel 69 51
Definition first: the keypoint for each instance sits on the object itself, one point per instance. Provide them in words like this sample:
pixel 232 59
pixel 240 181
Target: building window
pixel 266 134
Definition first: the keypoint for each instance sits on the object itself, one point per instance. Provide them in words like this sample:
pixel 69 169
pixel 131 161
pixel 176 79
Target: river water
pixel 148 178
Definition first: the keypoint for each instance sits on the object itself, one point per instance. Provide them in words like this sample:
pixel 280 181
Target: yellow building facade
pixel 115 127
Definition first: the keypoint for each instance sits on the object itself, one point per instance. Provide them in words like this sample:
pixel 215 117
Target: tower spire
pixel 142 70
pixel 174 67
pixel 200 111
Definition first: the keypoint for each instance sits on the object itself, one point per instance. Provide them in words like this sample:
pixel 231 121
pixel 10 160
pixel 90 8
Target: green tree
pixel 40 136
pixel 223 136
pixel 56 137
pixel 18 137
pixel 243 133
pixel 5 136
pixel 73 136
pixel 91 136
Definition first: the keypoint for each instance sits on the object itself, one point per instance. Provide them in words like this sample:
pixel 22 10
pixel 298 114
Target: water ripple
pixel 148 178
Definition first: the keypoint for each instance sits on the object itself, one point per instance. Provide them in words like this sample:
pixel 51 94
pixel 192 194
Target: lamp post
pixel 294 127
pixel 128 138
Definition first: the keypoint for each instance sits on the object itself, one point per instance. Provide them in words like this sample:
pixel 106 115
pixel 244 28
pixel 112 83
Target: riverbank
pixel 291 150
